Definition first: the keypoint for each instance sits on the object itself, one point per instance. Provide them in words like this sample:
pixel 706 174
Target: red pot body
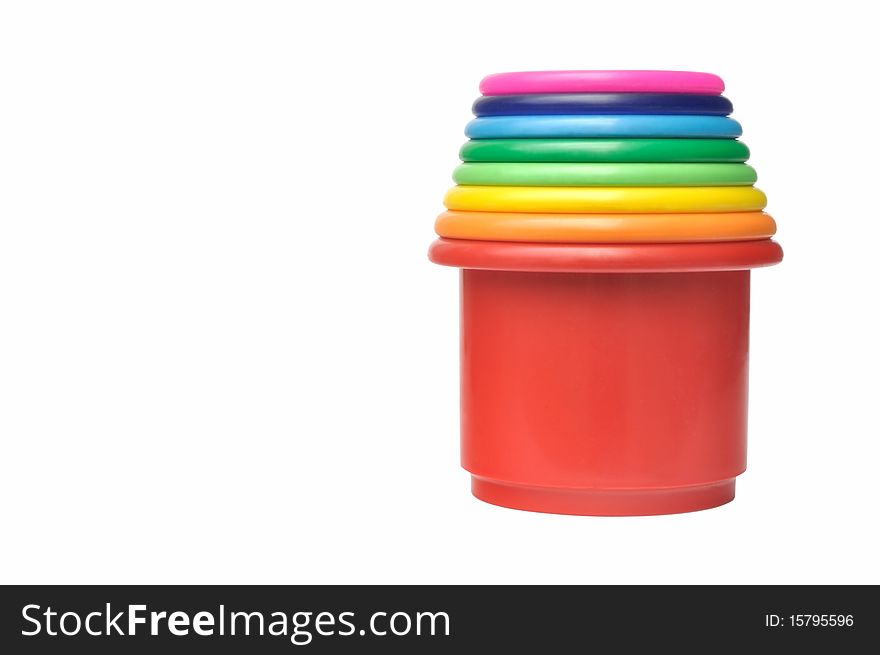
pixel 604 393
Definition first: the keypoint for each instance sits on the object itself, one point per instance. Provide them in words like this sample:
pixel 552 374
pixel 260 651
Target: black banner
pixel 433 619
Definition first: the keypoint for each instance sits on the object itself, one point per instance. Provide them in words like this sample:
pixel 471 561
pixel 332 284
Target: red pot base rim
pixel 605 258
pixel 603 502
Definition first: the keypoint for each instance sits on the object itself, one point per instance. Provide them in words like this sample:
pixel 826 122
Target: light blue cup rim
pixel 601 125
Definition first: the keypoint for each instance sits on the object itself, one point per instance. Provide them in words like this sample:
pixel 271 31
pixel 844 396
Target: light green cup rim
pixel 603 174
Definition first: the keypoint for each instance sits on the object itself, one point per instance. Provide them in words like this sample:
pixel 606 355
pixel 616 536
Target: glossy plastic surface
pixel 604 228
pixel 600 81
pixel 604 394
pixel 577 200
pixel 602 125
pixel 601 103
pixel 604 150
pixel 603 174
pixel 604 301
pixel 605 258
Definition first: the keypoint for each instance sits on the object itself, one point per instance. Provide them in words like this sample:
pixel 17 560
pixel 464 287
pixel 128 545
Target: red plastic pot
pixel 604 379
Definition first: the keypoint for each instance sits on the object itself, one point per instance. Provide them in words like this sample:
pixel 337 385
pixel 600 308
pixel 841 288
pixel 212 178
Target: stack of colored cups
pixel 605 223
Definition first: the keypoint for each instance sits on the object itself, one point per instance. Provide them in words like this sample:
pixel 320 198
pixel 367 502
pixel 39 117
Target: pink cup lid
pixel 601 82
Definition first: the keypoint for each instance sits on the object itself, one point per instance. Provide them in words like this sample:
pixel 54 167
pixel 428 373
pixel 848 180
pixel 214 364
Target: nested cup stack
pixel 605 224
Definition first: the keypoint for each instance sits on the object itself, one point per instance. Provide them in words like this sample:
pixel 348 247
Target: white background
pixel 224 356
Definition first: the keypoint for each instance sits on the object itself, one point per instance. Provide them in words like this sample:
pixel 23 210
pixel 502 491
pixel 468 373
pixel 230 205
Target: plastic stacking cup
pixel 604 379
pixel 605 224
